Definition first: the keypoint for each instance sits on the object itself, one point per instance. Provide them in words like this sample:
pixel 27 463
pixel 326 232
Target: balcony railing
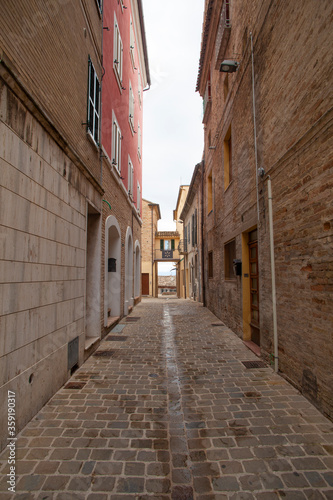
pixel 166 255
pixel 223 33
pixel 207 102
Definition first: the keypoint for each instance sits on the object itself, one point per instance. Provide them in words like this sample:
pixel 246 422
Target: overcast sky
pixel 172 128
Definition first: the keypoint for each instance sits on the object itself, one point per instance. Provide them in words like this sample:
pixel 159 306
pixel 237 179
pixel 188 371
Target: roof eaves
pixel 205 33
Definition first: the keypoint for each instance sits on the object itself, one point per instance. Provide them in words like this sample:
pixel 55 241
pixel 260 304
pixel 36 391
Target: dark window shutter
pixel 172 244
pixel 161 244
pixel 196 227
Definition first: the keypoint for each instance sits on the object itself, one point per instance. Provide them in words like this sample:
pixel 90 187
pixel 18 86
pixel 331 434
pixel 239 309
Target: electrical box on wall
pixel 112 265
pixel 237 263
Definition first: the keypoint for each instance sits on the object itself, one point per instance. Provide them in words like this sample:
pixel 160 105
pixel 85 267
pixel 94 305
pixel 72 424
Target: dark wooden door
pixel 145 283
pixel 254 287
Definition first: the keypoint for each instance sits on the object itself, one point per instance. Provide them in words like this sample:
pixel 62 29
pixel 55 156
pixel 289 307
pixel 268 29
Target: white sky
pixel 172 128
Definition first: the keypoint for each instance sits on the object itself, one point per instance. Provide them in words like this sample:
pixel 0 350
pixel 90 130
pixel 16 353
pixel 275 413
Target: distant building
pixel 264 74
pixel 182 276
pixel 191 247
pixel 167 285
pixel 150 216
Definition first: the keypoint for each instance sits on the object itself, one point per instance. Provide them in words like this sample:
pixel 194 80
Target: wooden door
pixel 145 283
pixel 254 287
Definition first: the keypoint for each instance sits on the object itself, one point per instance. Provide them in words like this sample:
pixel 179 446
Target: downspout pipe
pixel 203 289
pixel 261 172
pixel 152 250
pixel 255 127
pixel 271 243
pixel 101 156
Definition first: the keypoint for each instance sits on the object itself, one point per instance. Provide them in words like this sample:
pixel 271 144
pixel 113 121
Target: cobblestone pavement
pixel 174 413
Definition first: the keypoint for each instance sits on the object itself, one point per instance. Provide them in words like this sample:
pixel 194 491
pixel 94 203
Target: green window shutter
pixel 172 244
pixel 161 244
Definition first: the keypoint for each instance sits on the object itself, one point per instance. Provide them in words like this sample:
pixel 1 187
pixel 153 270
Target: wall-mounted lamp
pixel 228 66
pixel 261 172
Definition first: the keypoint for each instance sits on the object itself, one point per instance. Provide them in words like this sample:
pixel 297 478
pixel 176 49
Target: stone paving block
pixel 32 482
pixel 195 424
pixel 158 469
pixel 328 476
pixel 225 483
pixel 97 496
pixel 103 484
pixel 66 496
pixel 294 480
pixel 181 476
pixel 182 493
pixel 130 485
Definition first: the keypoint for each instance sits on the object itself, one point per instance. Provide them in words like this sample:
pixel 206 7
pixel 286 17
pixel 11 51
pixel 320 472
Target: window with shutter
pixel 172 244
pixel 131 108
pixel 93 103
pixel 138 197
pixel 139 89
pixel 130 177
pixel 195 227
pixel 99 3
pixel 193 242
pixel 117 54
pixel 139 141
pixel 132 43
pixel 116 144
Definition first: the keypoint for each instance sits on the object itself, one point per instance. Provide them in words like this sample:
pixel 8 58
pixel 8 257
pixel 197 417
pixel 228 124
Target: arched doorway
pixel 128 271
pixel 112 270
pixel 137 270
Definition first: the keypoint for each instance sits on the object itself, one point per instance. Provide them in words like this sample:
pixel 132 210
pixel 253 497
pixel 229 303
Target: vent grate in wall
pixel 254 364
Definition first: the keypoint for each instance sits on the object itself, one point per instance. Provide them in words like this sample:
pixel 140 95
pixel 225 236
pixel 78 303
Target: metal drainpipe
pixel 270 215
pixel 152 250
pixel 100 104
pixel 271 242
pixel 255 127
pixel 203 289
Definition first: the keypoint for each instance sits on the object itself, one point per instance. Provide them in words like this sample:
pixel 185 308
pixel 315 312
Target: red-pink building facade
pixel 126 76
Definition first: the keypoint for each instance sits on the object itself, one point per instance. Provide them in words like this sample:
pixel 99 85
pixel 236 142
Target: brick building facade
pixel 191 247
pixel 273 111
pixel 54 181
pixel 182 290
pixel 151 214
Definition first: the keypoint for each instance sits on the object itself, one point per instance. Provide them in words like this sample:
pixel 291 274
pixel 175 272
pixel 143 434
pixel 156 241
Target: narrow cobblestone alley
pixel 166 409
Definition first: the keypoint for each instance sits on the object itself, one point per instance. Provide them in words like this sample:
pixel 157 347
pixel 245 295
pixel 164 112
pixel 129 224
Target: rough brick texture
pixel 292 49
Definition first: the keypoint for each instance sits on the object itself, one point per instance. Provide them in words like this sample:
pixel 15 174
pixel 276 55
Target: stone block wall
pixel 42 260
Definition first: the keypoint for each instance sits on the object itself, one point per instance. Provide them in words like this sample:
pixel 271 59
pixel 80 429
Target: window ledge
pixel 228 186
pixel 120 85
pixel 92 140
